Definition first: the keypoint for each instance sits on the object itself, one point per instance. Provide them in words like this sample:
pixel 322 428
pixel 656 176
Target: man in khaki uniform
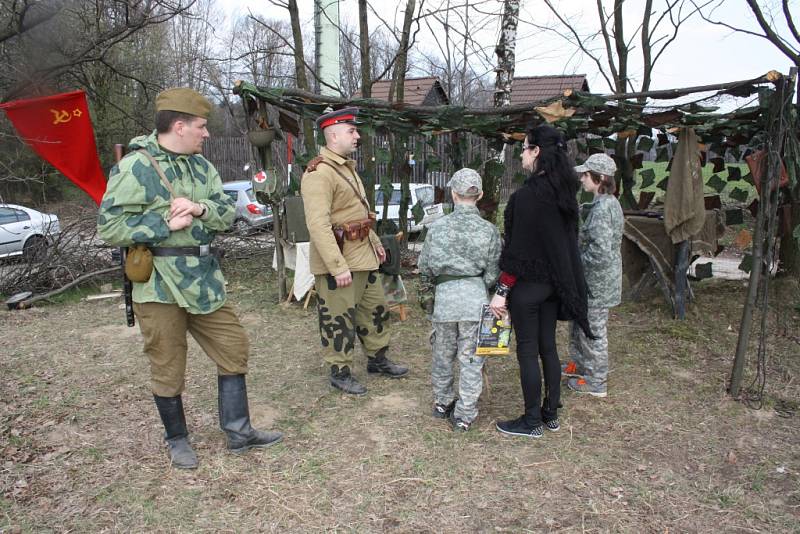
pixel 351 301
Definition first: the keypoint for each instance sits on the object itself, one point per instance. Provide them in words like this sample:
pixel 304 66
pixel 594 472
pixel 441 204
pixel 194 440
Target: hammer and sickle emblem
pixel 60 116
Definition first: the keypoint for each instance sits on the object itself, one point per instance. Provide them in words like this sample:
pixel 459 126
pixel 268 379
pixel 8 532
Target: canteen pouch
pixel 139 263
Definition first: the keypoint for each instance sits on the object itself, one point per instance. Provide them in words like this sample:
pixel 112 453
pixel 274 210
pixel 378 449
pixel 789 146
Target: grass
pixel 82 444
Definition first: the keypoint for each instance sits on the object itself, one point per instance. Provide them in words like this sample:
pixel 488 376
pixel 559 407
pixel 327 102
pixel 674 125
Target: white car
pixel 419 192
pixel 24 231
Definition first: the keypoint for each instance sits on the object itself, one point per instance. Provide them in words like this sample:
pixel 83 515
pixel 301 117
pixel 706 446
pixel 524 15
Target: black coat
pixel 541 245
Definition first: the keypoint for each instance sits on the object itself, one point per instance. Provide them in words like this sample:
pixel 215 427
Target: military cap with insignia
pixel 183 100
pixel 340 116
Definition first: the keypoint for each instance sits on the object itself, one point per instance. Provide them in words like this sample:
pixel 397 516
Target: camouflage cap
pixel 466 182
pixel 183 100
pixel 340 116
pixel 599 164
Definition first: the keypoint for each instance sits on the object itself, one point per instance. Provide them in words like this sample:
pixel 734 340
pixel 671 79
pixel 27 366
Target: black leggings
pixel 534 314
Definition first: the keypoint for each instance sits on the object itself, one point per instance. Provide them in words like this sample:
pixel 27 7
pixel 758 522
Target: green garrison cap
pixel 183 100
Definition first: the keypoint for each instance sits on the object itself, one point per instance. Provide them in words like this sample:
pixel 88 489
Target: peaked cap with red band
pixel 340 116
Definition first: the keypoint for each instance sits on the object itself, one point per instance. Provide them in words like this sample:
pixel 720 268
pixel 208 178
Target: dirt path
pixel 667 451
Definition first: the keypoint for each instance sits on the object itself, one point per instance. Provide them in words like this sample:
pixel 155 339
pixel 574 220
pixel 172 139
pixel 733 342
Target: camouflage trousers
pixel 453 340
pixel 164 328
pixel 591 355
pixel 358 310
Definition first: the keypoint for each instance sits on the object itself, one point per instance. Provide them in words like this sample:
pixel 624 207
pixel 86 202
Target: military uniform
pixel 600 241
pixel 134 210
pixel 186 288
pixel 333 195
pixel 466 247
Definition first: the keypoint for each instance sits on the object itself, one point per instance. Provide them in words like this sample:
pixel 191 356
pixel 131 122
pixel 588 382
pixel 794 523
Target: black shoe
pixel 342 379
pixel 234 417
pixel 459 425
pixel 383 365
pixel 518 427
pixel 444 411
pixel 181 454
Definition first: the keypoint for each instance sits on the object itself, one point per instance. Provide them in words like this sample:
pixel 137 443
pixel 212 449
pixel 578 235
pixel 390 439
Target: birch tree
pixel 506 57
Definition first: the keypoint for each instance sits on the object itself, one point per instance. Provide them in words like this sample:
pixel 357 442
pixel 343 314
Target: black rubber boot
pixel 342 379
pixel 383 365
pixel 177 437
pixel 234 417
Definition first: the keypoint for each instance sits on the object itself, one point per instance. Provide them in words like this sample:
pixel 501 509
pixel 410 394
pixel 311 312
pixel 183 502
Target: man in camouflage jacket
pixel 460 257
pixel 350 294
pixel 177 221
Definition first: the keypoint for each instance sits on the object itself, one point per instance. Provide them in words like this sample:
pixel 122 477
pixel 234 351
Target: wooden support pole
pixel 681 282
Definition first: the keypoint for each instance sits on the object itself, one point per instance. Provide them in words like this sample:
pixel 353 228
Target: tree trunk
pixel 300 76
pixel 399 155
pixel 495 166
pixel 367 137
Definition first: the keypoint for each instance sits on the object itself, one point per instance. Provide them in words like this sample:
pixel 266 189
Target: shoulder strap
pixel 352 185
pixel 155 164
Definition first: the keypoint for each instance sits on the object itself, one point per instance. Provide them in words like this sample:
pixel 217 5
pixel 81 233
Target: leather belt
pixel 202 250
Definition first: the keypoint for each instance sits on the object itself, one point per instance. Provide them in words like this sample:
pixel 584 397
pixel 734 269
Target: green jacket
pixel 134 210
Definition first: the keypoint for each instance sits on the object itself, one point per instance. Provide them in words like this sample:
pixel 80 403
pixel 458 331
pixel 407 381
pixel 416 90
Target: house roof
pixel 415 90
pixel 526 89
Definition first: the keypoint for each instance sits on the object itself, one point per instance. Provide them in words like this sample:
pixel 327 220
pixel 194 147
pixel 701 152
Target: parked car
pixel 25 231
pixel 250 213
pixel 419 192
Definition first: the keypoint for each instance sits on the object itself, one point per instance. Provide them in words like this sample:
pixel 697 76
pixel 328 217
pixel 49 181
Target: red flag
pixel 60 130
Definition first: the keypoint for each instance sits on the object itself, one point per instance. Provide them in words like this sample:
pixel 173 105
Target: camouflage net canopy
pixel 575 113
pixel 730 119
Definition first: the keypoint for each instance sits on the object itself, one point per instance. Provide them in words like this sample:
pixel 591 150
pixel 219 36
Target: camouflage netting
pixel 575 113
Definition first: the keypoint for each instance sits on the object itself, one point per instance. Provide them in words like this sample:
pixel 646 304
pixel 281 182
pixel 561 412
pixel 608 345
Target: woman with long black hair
pixel 541 277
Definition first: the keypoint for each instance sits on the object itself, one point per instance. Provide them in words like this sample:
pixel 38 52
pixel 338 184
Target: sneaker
pixel 553 425
pixel 459 425
pixel 518 427
pixel 569 368
pixel 443 411
pixel 580 385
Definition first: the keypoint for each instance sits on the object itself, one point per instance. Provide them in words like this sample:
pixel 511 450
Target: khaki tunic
pixel 329 200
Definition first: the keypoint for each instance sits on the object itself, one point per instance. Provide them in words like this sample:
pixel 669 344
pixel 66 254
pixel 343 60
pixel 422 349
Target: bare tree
pixel 658 30
pixel 777 24
pixel 460 62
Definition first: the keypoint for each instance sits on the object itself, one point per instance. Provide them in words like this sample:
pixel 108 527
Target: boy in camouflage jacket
pixel 459 257
pixel 176 217
pixel 600 240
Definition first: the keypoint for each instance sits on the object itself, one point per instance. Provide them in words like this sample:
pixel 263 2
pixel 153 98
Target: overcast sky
pixel 702 54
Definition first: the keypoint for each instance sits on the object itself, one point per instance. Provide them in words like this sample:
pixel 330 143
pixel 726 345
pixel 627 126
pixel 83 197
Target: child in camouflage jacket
pixel 460 258
pixel 600 241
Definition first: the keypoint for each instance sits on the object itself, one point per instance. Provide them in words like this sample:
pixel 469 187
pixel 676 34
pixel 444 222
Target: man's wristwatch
pixel 202 213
